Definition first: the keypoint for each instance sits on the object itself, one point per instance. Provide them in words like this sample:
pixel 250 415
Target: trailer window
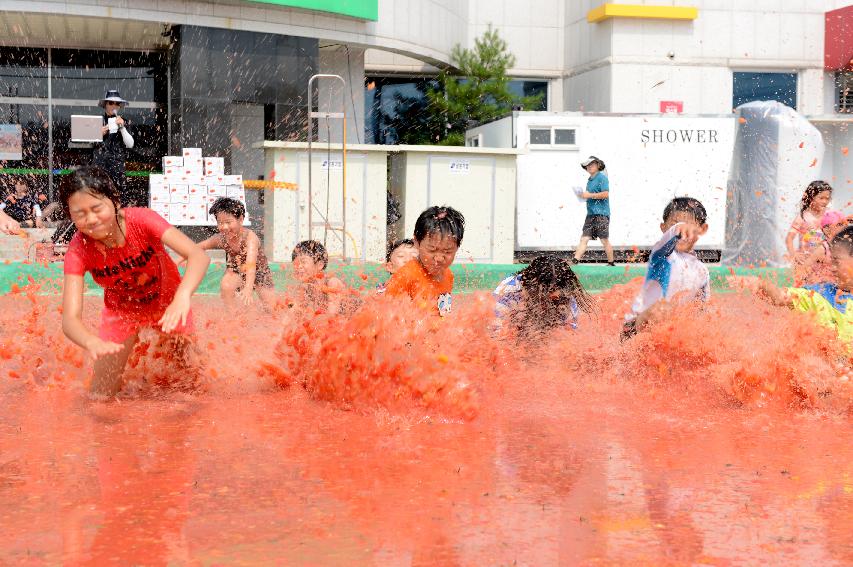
pixel 564 137
pixel 540 136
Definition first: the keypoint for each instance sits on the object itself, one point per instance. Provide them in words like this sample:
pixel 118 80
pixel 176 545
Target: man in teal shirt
pixel 597 222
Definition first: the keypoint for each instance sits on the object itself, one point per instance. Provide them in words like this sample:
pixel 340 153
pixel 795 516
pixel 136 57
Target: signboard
pixel 11 142
pixel 671 106
pixel 335 164
pixel 460 166
pixel 362 9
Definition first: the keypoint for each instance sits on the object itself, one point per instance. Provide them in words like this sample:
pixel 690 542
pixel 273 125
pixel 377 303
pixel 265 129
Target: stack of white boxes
pixel 188 187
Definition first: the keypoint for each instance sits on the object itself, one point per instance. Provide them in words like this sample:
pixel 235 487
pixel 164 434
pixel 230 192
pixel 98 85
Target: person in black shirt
pixel 111 154
pixel 29 208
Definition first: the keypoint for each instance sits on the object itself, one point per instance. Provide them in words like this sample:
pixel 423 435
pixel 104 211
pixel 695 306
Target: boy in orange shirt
pixel 427 279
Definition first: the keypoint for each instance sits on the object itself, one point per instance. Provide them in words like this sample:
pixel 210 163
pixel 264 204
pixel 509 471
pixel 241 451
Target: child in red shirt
pixel 124 251
pixel 427 279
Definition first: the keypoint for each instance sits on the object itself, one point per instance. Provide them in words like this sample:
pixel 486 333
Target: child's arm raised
pixel 197 262
pixel 72 320
pixel 253 244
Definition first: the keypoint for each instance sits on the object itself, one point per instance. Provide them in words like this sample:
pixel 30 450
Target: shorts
pixel 118 327
pixel 596 226
pixel 263 278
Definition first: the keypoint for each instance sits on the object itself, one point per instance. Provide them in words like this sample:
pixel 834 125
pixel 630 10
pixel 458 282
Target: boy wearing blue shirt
pixel 597 222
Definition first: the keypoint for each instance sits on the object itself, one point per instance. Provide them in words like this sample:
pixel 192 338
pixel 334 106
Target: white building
pixel 218 73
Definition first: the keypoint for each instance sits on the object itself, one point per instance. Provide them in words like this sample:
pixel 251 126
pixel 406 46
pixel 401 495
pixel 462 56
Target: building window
pixel 395 107
pixel 540 136
pixel 521 88
pixel 555 137
pixel 844 88
pixel 749 87
pixel 564 137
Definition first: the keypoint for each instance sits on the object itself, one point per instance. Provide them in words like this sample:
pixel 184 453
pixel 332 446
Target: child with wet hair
pixel 829 302
pixel 428 281
pixel 674 272
pixel 320 291
pixel 399 254
pixel 545 295
pixel 246 268
pixel 125 251
pixel 816 266
pixel 805 229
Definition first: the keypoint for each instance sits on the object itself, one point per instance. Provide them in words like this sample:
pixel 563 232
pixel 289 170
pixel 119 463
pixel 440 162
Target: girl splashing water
pixel 543 296
pixel 806 226
pixel 124 251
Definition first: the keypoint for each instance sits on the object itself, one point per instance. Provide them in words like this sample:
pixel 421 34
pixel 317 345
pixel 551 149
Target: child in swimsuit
pixel 318 290
pixel 246 268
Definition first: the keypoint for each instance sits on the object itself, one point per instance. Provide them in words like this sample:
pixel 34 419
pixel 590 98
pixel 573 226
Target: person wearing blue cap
pixel 112 153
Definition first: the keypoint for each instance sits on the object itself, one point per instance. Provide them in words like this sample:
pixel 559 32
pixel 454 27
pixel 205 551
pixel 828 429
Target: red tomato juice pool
pixel 714 438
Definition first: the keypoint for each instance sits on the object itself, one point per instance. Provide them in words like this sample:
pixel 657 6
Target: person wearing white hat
pixel 112 153
pixel 597 222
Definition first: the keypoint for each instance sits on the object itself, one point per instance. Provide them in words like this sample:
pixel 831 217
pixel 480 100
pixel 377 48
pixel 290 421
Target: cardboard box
pixel 214 166
pixel 177 213
pixel 214 191
pixel 233 179
pixel 161 209
pixel 173 161
pixel 193 162
pixel 198 194
pixel 235 192
pixel 179 198
pixel 156 179
pixel 158 194
pixel 196 214
pixel 192 173
pixel 179 188
pixel 173 171
pixel 192 153
pixel 215 179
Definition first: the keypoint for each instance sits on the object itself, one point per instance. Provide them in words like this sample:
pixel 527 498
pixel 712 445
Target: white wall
pixel 589 91
pixel 484 192
pixel 640 88
pixel 286 211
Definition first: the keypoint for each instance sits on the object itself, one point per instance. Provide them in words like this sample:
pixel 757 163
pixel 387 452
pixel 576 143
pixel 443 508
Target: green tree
pixel 475 90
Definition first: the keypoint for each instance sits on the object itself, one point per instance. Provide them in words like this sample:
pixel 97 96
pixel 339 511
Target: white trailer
pixel 650 159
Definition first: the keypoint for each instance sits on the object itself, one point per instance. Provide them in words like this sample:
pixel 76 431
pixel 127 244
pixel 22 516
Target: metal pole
pixel 344 185
pixel 310 135
pixel 50 124
pixel 328 115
